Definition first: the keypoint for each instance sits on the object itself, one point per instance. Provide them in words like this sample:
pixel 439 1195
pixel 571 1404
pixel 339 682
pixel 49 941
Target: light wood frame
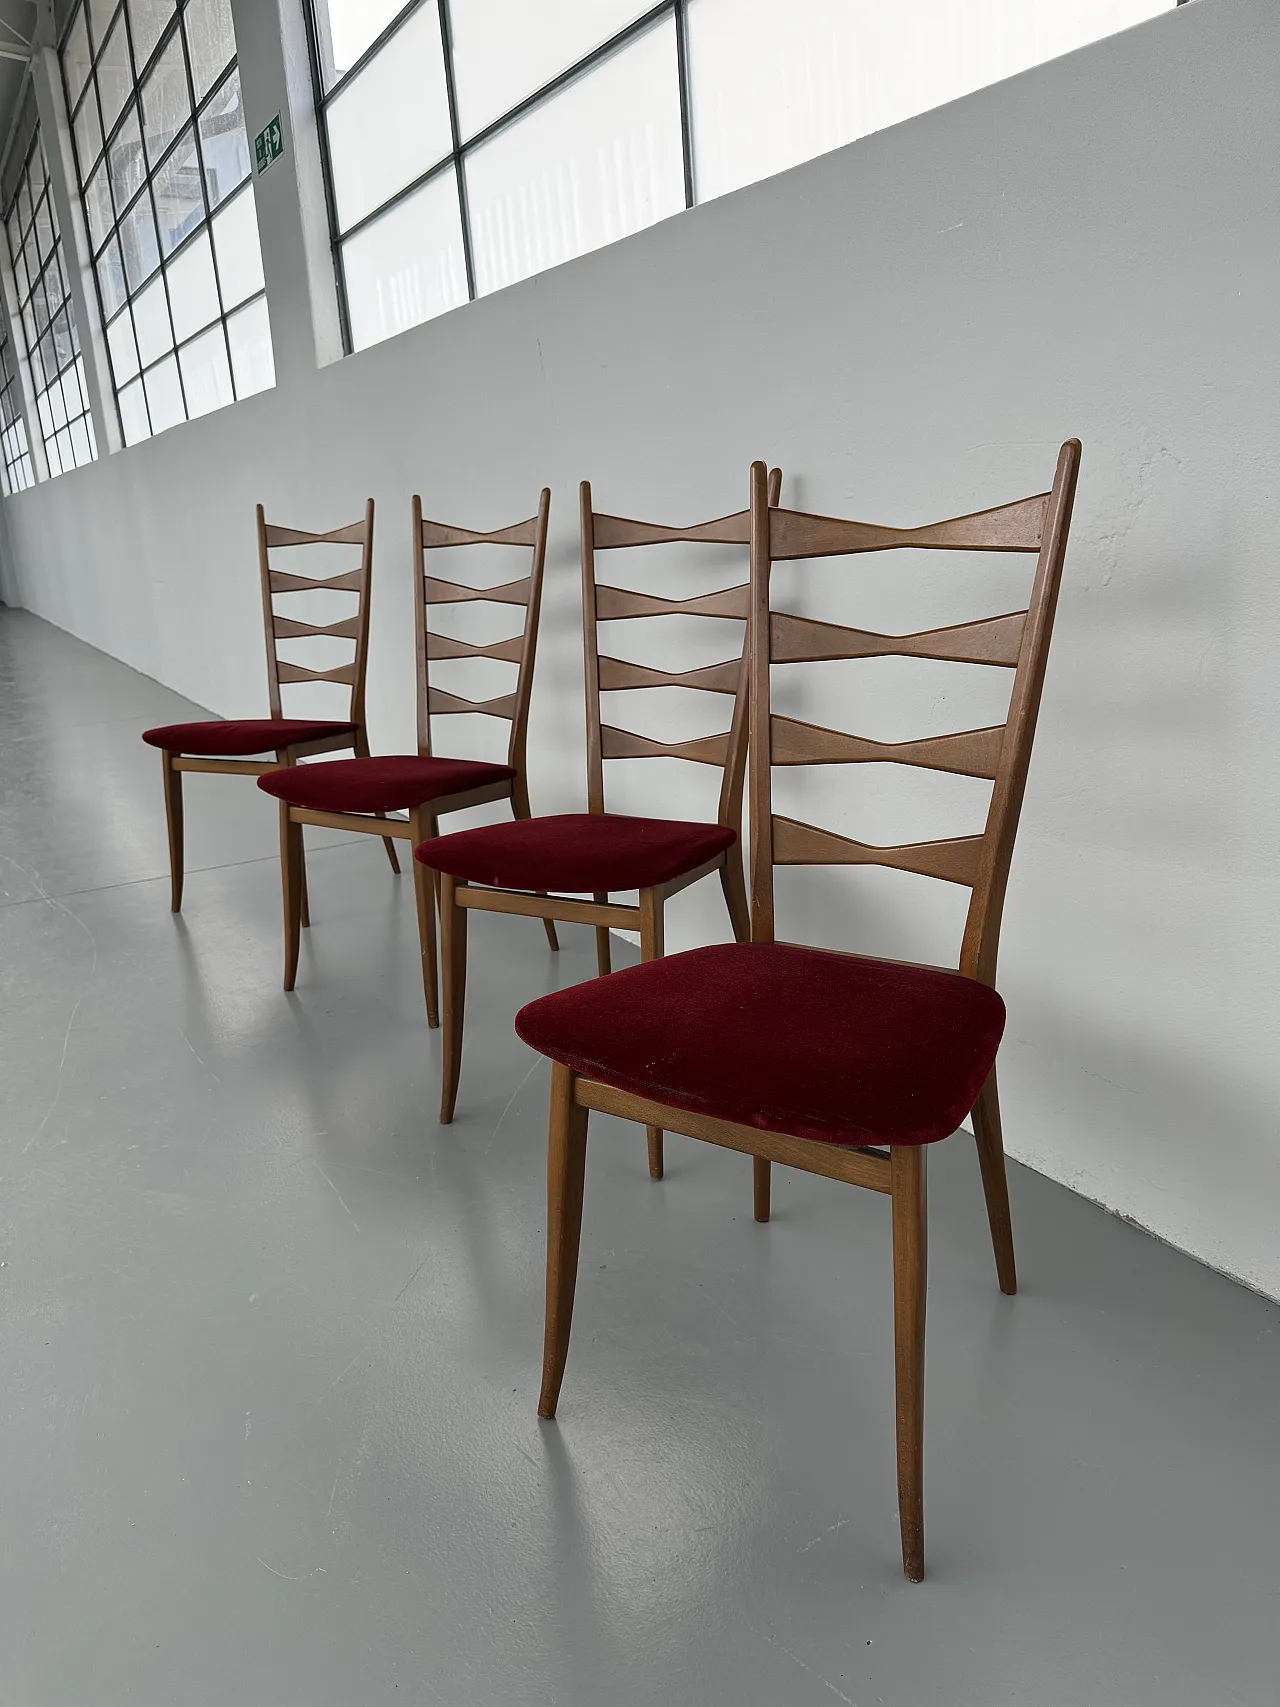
pixel 280 671
pixel 421 825
pixel 602 603
pixel 1019 641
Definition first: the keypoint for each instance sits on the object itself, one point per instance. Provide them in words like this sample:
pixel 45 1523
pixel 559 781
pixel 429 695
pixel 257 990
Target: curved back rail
pixel 1017 640
pixel 280 672
pixel 604 674
pixel 519 650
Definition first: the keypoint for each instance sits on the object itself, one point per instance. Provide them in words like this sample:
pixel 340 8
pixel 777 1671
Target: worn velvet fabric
pixel 577 852
pixel 379 785
pixel 828 1046
pixel 240 739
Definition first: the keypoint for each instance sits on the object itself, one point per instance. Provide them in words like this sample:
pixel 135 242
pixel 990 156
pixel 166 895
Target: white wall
pixel 910 326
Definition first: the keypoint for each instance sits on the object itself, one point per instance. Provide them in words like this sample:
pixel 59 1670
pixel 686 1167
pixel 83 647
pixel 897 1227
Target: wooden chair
pixel 356 794
pixel 227 746
pixel 509 868
pixel 835 1063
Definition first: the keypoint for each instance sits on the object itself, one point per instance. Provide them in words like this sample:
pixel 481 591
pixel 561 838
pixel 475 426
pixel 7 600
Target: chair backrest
pixel 280 671
pixel 1018 640
pixel 602 603
pixel 519 650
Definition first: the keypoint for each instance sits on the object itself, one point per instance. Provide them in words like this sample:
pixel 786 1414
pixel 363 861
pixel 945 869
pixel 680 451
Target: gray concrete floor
pixel 271 1337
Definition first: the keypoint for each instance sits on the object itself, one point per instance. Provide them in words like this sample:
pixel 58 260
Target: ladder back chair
pixel 227 746
pixel 358 794
pixel 531 867
pixel 835 1063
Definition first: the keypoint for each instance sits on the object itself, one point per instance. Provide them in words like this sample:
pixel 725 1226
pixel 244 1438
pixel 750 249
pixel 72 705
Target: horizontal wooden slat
pixel 445 646
pixel 616 604
pixel 569 912
pixel 281 582
pixel 443 533
pixel 616 674
pixel 442 703
pixel 295 673
pixel 1010 527
pixel 353 535
pixel 798 639
pixel 971 752
pixel 287 629
pixel 454 593
pixel 623 744
pixel 954 861
pixel 833 1161
pixel 614 533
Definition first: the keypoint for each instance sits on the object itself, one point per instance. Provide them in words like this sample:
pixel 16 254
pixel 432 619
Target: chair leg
pixel 566 1169
pixel 453 965
pixel 910 1264
pixel 651 948
pixel 995 1182
pixel 603 963
pixel 291 879
pixel 304 912
pixel 735 896
pixel 393 859
pixel 173 818
pixel 761 1167
pixel 422 828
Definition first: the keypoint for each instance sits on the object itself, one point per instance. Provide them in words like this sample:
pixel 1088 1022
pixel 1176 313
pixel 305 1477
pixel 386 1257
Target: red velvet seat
pixel 577 852
pixel 379 785
pixel 240 738
pixel 819 1045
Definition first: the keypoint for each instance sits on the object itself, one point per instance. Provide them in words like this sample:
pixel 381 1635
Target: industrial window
pixel 470 143
pixel 44 309
pixel 153 91
pixel 18 472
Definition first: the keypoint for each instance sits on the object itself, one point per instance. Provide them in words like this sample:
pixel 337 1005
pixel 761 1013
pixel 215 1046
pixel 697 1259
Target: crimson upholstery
pixel 828 1046
pixel 379 785
pixel 239 739
pixel 577 852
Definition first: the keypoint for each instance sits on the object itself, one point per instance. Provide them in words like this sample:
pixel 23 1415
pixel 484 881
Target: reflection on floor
pixel 271 1338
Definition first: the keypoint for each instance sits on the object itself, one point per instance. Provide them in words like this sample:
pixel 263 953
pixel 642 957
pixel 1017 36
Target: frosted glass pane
pixel 76 57
pixel 407 266
pixel 235 242
pixel 111 278
pixel 88 131
pixel 81 442
pixel 224 141
pixel 138 242
pixel 124 354
pixel 392 123
pixel 770 88
pixel 504 50
pixel 176 188
pixel 252 363
pixel 166 100
pixel 592 164
pixel 206 373
pixel 148 18
pixel 211 41
pixel 115 74
pixel 133 414
pixel 164 395
pixel 151 321
pixel 97 208
pixel 193 290
pixel 346 28
pixel 125 163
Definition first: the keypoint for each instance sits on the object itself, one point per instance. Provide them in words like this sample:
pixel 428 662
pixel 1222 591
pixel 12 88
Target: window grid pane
pixel 53 340
pixel 13 432
pixel 751 88
pixel 163 75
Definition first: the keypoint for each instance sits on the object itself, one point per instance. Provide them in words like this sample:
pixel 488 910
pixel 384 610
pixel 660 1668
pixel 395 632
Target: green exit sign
pixel 268 145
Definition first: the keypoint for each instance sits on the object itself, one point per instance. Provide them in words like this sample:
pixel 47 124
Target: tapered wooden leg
pixel 304 912
pixel 735 896
pixel 995 1182
pixel 453 966
pixel 761 1170
pixel 173 817
pixel 422 828
pixel 553 941
pixel 393 859
pixel 291 885
pixel 651 948
pixel 910 1264
pixel 603 963
pixel 566 1170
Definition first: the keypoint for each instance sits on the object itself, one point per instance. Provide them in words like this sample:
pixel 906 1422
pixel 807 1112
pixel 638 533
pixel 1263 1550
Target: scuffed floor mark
pixel 773 1641
pixel 823 1536
pixel 507 1110
pixel 319 1571
pixel 333 1188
